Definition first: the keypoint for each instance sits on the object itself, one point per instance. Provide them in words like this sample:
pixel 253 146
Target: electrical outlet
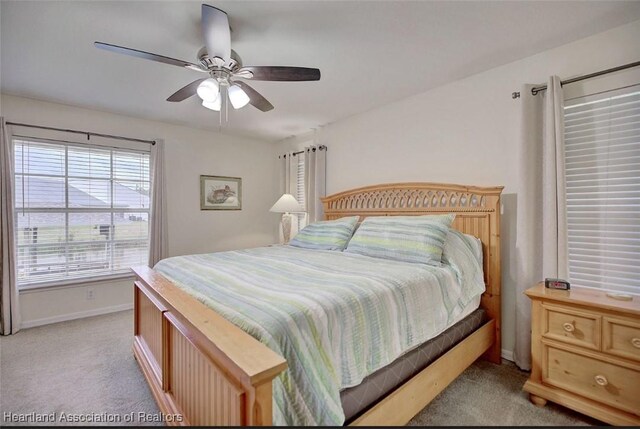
pixel 90 294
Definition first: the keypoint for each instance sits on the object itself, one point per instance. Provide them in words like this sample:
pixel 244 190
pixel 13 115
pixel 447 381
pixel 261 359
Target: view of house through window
pixel 81 210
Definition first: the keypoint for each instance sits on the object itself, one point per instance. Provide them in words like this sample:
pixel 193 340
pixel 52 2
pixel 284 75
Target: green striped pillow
pixel 326 235
pixel 402 238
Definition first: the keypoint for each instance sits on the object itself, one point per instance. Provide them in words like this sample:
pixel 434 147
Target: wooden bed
pixel 209 372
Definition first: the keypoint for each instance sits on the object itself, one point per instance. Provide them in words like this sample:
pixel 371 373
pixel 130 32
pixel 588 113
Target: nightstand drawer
pixel 572 326
pixel 622 338
pixel 605 382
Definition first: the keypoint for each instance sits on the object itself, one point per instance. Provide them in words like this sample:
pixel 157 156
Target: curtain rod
pixel 321 147
pixel 87 133
pixel 535 90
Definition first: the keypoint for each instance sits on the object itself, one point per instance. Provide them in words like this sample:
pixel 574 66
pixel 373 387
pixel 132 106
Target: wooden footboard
pixel 202 369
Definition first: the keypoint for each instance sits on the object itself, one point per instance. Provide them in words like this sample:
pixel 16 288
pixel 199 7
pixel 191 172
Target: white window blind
pixel 300 189
pixel 602 148
pixel 81 210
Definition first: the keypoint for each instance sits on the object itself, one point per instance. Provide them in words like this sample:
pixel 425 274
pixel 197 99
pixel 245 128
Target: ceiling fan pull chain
pixel 226 106
pixel 223 106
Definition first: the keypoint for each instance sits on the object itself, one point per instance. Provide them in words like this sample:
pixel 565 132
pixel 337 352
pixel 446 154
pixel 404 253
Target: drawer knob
pixel 568 327
pixel 601 380
pixel 635 342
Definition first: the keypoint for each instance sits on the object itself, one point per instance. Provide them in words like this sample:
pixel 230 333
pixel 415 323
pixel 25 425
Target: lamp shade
pixel 213 105
pixel 208 90
pixel 286 204
pixel 238 97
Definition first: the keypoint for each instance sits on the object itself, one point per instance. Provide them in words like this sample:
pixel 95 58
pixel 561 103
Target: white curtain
pixel 158 244
pixel 314 181
pixel 288 185
pixel 541 237
pixel 9 308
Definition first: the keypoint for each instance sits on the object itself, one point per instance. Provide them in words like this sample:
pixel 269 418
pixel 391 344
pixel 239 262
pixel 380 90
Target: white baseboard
pixel 507 354
pixel 78 315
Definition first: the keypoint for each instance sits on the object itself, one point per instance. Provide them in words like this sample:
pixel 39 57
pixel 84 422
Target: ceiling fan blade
pixel 255 98
pixel 186 91
pixel 216 32
pixel 147 56
pixel 277 73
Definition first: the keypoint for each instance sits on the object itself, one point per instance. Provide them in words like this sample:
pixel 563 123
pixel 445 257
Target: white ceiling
pixel 369 53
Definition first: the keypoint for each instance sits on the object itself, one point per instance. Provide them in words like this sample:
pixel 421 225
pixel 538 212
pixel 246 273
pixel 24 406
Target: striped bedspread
pixel 335 317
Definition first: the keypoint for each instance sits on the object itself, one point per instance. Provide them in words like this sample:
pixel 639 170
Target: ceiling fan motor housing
pixel 235 63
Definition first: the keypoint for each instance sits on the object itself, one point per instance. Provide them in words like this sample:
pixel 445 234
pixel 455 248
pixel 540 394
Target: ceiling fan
pixel 224 67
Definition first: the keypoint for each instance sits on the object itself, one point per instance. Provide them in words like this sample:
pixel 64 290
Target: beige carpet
pixel 85 367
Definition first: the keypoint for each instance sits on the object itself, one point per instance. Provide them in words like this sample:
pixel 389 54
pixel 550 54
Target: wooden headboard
pixel 477 212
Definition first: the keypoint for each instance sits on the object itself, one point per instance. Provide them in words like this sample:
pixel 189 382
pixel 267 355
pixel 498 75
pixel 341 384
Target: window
pixel 300 191
pixel 81 210
pixel 602 150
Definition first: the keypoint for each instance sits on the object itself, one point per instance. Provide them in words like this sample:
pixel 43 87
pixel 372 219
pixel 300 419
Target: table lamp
pixel 286 205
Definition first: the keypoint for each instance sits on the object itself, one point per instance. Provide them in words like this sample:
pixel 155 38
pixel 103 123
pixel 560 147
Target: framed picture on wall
pixel 220 193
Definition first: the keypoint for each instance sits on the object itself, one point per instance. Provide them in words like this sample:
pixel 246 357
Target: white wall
pixel 189 153
pixel 464 132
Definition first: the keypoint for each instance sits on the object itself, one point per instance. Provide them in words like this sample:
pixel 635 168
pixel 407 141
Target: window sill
pixel 62 284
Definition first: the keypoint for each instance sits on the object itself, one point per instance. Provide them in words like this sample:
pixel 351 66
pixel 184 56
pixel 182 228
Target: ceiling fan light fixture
pixel 238 97
pixel 209 90
pixel 213 105
pixel 223 66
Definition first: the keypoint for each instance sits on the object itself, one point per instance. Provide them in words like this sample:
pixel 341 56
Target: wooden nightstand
pixel 585 349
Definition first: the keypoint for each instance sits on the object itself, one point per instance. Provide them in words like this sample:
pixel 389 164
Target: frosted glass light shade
pixel 238 97
pixel 213 105
pixel 208 90
pixel 286 204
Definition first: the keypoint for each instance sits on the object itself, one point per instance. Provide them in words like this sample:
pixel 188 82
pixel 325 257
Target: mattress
pixel 335 317
pixel 356 400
